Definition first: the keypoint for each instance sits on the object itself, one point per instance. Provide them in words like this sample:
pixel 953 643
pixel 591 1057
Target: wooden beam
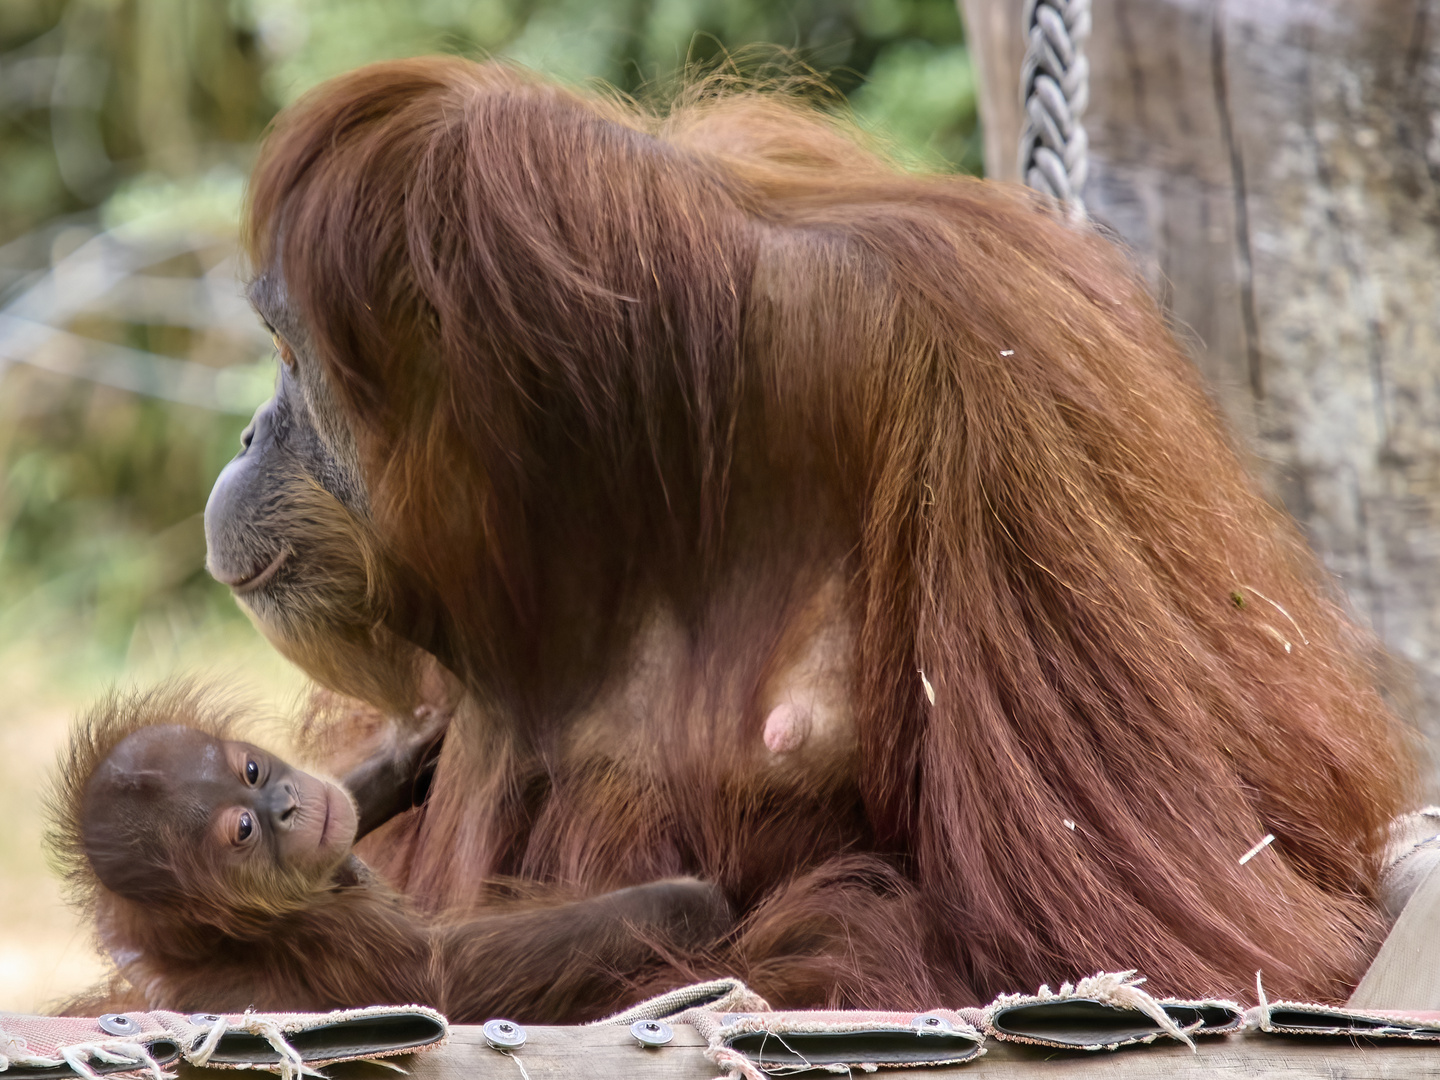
pixel 611 1053
pixel 992 30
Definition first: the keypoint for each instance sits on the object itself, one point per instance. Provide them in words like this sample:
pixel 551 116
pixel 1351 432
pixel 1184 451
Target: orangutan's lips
pixel 255 581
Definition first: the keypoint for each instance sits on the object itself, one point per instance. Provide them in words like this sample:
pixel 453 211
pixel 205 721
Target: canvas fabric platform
pixel 152 1043
pixel 683 1035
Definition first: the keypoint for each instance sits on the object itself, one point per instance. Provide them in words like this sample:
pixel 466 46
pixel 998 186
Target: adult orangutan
pixel 858 540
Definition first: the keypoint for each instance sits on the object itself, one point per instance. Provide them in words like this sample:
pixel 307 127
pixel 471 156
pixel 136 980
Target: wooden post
pixel 611 1053
pixel 1275 165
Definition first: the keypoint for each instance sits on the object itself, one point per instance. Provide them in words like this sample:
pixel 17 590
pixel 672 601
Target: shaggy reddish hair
pixel 603 362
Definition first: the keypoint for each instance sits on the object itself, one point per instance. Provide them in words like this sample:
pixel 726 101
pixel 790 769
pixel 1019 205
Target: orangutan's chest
pixel 754 740
pixel 771 705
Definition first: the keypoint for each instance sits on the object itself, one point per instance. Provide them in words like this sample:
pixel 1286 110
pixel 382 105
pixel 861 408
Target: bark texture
pixel 1275 166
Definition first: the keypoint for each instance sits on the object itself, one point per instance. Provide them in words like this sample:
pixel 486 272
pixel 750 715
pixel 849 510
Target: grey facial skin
pixel 295 441
pixel 288 528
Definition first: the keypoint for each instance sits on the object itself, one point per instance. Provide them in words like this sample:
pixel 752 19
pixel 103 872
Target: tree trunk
pixel 1275 166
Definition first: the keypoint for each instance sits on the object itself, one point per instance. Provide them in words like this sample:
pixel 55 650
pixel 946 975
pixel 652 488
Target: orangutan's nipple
pixel 786 728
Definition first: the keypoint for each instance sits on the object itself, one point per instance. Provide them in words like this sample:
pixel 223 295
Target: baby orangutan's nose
pixel 287 805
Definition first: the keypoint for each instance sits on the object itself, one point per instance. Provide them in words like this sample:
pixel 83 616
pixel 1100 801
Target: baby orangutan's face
pixel 237 812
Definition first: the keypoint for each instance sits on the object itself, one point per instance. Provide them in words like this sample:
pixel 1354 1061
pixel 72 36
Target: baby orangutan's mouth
pixel 325 825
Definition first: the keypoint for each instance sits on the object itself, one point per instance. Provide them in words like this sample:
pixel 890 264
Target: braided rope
pixel 1054 90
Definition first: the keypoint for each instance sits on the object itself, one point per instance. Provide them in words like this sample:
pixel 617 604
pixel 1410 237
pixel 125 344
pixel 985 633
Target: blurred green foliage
pixel 97 94
pixel 901 63
pixel 148 111
pixel 100 510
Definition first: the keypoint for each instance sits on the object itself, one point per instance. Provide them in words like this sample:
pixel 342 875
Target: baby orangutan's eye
pixel 244 827
pixel 252 773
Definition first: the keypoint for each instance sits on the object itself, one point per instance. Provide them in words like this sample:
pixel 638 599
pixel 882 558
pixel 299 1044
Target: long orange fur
pixel 604 362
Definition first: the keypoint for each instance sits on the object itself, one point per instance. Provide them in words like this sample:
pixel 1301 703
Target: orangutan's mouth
pixel 256 581
pixel 325 825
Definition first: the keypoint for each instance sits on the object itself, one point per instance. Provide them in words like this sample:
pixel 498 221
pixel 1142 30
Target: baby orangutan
pixel 221 877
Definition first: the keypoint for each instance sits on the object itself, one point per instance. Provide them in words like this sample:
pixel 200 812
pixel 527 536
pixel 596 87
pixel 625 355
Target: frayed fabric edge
pixel 1117 989
pixel 73 1050
pixel 717 995
pixel 274 1027
pixel 1414 1025
pixel 719 1029
pixel 78 1056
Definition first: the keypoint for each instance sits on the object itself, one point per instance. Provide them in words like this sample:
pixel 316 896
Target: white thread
pixel 717 995
pixel 518 1062
pixel 1264 1003
pixel 72 1057
pixel 291 1063
pixel 1261 846
pixel 1303 639
pixel 201 1056
pixel 78 1057
pixel 736 1064
pixel 386 1065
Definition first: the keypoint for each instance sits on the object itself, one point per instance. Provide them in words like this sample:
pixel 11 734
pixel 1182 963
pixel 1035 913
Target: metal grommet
pixel 652 1032
pixel 204 1019
pixel 119 1024
pixel 504 1034
pixel 928 1022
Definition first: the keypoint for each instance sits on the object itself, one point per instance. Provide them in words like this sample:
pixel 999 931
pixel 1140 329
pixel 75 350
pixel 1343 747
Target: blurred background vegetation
pixel 129 364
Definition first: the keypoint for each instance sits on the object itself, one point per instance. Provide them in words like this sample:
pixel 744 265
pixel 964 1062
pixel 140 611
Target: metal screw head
pixel 929 1022
pixel 204 1019
pixel 652 1032
pixel 119 1024
pixel 504 1034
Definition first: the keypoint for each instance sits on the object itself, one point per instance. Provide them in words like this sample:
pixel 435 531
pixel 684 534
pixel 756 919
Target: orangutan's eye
pixel 244 827
pixel 286 354
pixel 252 772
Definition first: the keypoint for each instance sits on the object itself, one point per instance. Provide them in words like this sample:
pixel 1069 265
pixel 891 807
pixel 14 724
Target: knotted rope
pixel 1054 90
